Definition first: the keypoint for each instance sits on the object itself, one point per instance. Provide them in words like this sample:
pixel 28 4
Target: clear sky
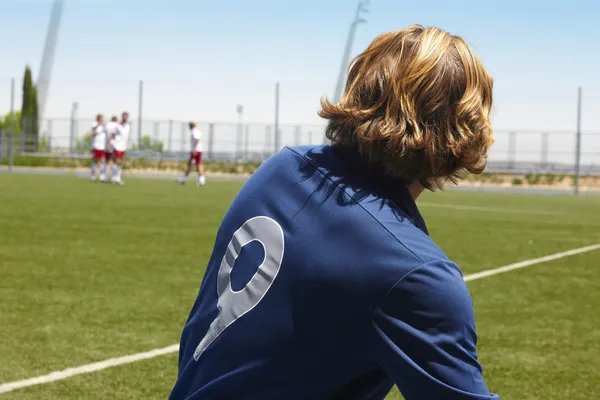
pixel 200 58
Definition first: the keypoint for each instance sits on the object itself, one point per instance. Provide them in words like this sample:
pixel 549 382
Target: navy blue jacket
pixel 324 284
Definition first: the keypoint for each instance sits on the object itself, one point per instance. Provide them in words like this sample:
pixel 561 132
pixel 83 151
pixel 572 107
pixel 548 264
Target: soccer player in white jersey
pixel 120 142
pixel 99 139
pixel 195 156
pixel 111 131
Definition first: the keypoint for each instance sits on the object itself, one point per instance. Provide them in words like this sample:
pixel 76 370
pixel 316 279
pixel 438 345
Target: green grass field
pixel 90 272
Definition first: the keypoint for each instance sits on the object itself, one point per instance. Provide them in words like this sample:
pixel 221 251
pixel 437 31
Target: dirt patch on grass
pixel 549 181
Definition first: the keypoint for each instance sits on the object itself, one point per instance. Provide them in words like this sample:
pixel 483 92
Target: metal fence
pixel 557 148
pixel 165 139
pixel 529 151
pixel 521 151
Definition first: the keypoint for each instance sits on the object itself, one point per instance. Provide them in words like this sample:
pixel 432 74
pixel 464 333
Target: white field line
pixel 486 209
pixel 527 263
pixel 86 369
pixel 113 362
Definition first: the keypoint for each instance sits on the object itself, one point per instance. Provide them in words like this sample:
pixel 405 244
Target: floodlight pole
pixel 339 87
pixel 360 9
pixel 45 74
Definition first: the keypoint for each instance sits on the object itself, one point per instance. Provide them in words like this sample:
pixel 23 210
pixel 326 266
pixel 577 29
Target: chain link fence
pixel 524 151
pixel 551 117
pixel 160 139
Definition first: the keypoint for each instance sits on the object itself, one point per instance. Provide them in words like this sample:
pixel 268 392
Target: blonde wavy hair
pixel 417 106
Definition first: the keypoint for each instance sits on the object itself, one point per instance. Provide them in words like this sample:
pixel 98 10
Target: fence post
pixel 72 133
pixel 511 150
pixel 310 137
pixel 578 142
pixel 239 132
pixel 268 146
pixel 277 137
pixel 238 141
pixel 246 143
pixel 170 135
pixel 24 130
pixel 140 105
pixel 183 148
pixel 297 136
pixel 11 133
pixel 544 158
pixel 211 140
pixel 156 130
pixel 49 137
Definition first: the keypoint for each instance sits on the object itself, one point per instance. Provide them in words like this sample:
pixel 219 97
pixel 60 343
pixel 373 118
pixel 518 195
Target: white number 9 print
pixel 233 304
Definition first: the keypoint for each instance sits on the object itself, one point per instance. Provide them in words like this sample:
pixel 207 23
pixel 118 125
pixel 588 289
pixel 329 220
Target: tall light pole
pixel 45 74
pixel 360 9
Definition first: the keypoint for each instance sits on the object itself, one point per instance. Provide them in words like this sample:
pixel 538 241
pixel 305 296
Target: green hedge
pixel 249 168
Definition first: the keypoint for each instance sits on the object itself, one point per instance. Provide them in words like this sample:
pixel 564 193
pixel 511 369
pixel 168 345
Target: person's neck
pixel 415 189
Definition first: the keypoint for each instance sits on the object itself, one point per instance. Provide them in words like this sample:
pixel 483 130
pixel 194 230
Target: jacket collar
pixel 384 186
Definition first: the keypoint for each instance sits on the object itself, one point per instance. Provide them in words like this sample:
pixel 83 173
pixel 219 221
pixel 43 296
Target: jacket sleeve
pixel 424 336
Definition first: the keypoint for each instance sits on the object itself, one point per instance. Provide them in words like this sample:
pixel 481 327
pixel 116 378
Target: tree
pixel 5 128
pixel 5 123
pixel 83 143
pixel 149 144
pixel 29 111
pixel 35 122
pixel 27 92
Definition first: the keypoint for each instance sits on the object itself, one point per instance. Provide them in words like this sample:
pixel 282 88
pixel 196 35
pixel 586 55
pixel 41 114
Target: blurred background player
pixel 120 142
pixel 111 131
pixel 99 138
pixel 195 156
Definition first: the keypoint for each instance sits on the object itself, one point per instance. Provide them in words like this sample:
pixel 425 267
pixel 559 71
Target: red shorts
pixel 98 154
pixel 119 154
pixel 196 158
